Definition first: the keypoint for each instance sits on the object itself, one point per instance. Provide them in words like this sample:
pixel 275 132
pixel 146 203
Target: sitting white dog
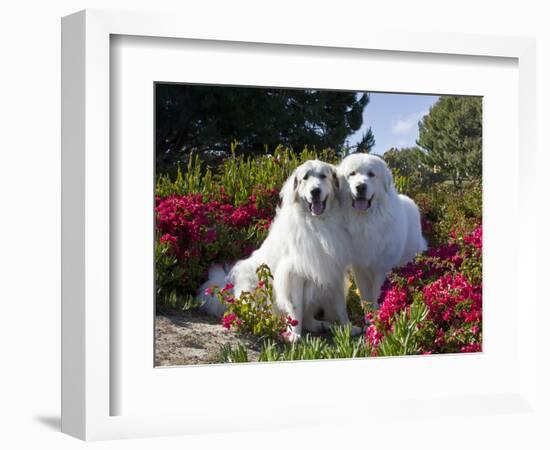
pixel 384 227
pixel 306 250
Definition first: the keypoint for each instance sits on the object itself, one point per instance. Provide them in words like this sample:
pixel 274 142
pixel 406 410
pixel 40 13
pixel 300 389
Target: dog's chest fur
pixel 370 235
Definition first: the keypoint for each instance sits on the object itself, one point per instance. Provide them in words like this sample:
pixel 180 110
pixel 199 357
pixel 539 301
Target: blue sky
pixel 394 119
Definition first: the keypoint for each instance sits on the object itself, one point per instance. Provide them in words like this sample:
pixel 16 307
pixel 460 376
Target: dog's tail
pixel 217 276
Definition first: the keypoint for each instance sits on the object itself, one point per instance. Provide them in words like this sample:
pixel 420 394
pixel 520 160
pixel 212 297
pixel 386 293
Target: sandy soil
pixel 194 338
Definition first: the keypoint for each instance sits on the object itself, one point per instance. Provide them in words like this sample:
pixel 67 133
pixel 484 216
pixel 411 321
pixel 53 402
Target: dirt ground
pixel 194 338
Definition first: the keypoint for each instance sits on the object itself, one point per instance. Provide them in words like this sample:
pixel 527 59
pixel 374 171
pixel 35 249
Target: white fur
pixel 384 236
pixel 306 251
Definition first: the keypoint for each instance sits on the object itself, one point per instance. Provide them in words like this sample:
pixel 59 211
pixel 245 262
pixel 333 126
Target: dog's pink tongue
pixel 317 208
pixel 361 204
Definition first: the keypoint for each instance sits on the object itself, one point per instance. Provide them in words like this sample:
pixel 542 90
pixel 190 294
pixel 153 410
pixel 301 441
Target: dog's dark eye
pixel 351 174
pixel 322 176
pixel 306 176
pixel 370 174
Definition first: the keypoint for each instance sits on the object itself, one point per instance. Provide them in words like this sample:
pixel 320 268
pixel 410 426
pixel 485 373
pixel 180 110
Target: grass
pixel 341 345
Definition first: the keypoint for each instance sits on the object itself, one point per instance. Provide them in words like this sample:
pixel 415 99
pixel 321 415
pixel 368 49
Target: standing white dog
pixel 384 226
pixel 306 250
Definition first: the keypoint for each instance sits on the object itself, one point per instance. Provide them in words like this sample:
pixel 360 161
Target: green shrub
pixel 239 175
pixel 407 335
pixel 447 209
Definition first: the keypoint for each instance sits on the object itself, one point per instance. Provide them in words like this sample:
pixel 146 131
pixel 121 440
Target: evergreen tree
pixel 366 144
pixel 206 119
pixel 451 136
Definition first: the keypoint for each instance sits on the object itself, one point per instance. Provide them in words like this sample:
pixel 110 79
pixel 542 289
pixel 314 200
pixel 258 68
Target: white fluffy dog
pixel 384 226
pixel 306 250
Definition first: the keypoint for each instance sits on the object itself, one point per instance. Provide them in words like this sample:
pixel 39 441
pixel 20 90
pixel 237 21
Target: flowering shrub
pixel 204 218
pixel 252 312
pixel 438 297
pixel 446 209
pixel 193 233
pixel 432 305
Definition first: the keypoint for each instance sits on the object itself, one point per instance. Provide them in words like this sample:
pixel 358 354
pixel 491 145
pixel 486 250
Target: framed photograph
pixel 287 224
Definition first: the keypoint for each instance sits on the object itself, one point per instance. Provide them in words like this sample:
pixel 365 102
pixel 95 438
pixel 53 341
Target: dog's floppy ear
pixel 289 192
pixel 388 179
pixel 335 179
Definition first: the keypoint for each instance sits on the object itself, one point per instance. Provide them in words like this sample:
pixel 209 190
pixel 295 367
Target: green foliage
pixel 367 142
pixel 447 208
pixel 451 135
pixel 406 337
pixel 240 175
pixel 196 180
pixel 355 306
pixel 167 277
pixel 252 312
pixel 230 355
pixel 411 174
pixel 204 119
pixel 343 345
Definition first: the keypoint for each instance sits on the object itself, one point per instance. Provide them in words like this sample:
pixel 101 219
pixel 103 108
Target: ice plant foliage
pixel 446 282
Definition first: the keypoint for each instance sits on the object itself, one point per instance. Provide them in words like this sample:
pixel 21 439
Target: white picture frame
pixel 87 328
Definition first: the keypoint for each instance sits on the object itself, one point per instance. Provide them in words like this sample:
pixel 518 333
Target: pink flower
pixel 209 291
pixel 227 287
pixel 373 336
pixel 168 238
pixel 471 348
pixel 394 300
pixel 286 334
pixel 229 319
pixel 475 238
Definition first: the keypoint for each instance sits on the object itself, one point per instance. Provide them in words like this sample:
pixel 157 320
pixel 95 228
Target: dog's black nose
pixel 361 189
pixel 315 193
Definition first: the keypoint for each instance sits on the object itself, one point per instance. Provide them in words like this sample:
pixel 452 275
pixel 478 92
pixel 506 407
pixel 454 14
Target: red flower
pixel 292 322
pixel 227 287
